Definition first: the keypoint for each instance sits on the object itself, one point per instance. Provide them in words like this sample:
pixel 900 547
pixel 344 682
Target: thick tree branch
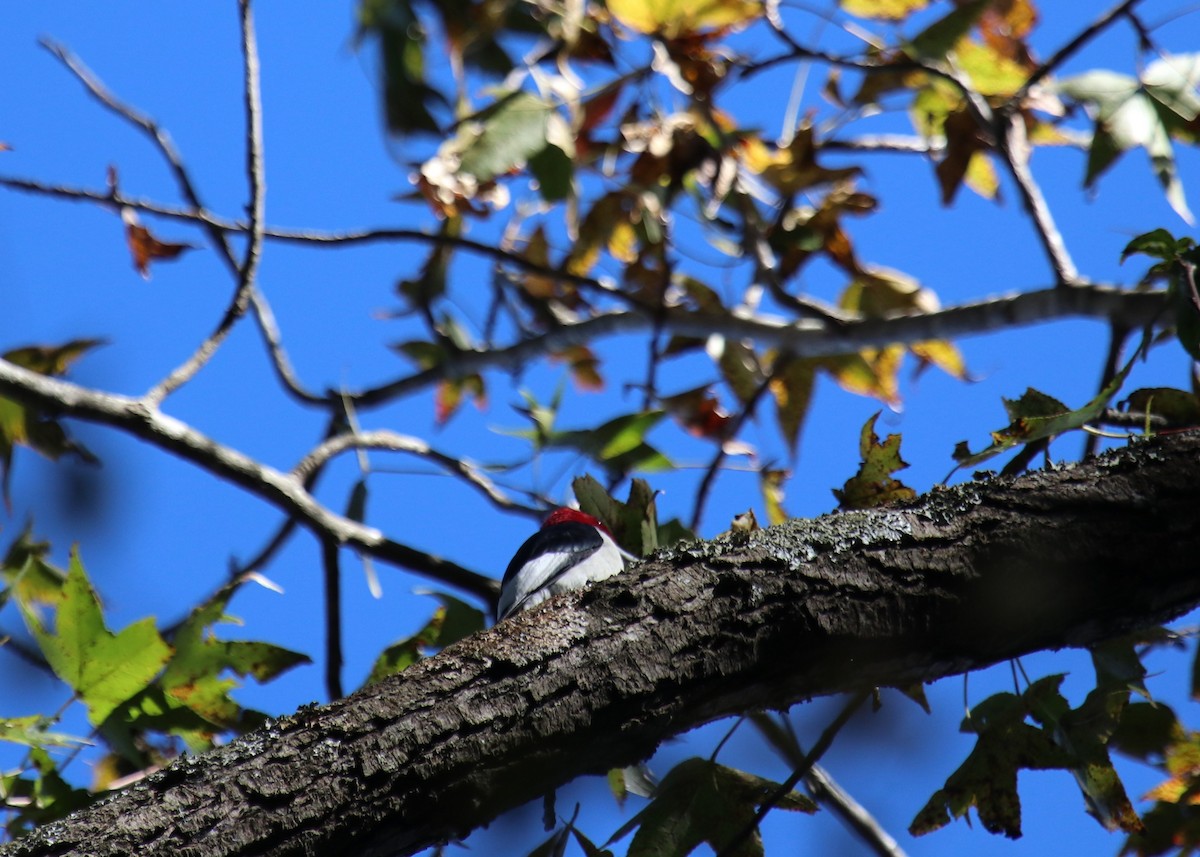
pixel 963 578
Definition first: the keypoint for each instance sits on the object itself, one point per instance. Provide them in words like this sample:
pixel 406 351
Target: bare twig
pixel 779 733
pixel 746 412
pixel 1118 336
pixel 818 750
pixel 248 267
pixel 827 790
pixel 1056 60
pixel 394 442
pixel 216 227
pixel 282 490
pixel 1014 149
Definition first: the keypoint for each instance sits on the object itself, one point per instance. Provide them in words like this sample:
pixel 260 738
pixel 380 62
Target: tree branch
pixel 960 579
pixel 138 418
pixel 248 267
pixel 396 442
pixel 807 338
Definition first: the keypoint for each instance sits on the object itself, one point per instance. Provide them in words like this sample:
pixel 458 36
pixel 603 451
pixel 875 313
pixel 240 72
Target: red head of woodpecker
pixel 571 550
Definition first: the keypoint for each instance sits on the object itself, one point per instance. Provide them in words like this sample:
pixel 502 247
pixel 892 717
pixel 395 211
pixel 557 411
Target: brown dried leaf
pixel 147 248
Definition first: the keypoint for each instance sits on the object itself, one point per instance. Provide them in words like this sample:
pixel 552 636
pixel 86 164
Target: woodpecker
pixel 571 550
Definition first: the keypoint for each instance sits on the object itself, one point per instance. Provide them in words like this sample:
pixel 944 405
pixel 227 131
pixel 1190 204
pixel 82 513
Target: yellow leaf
pixel 990 72
pixel 622 242
pixel 771 482
pixel 942 354
pixel 981 176
pixel 891 10
pixel 674 18
pixel 871 373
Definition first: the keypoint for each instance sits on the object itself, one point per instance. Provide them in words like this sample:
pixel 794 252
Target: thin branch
pixel 248 267
pixel 158 136
pixel 1087 300
pixel 1118 336
pixel 283 491
pixel 828 791
pixel 331 569
pixel 818 750
pixel 1059 57
pixel 1014 149
pixel 216 227
pixel 808 338
pixel 746 412
pixel 825 789
pixel 902 143
pixel 395 442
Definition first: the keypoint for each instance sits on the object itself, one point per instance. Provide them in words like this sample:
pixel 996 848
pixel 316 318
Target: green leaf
pixel 1172 81
pixel 987 780
pixel 940 37
pixel 194 675
pixel 792 388
pixel 27 576
pixel 408 100
pixel 31 731
pixel 47 796
pixel 701 801
pixel 451 622
pixel 553 168
pixel 873 484
pixel 506 135
pixel 1036 416
pixel 634 523
pixel 1158 244
pixel 617 444
pixel 103 668
pixel 24 425
pixel 1131 113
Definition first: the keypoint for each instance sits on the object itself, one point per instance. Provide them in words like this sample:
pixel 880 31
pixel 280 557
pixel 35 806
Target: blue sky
pixel 156 534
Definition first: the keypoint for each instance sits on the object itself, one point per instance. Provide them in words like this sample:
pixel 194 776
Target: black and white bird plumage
pixel 571 550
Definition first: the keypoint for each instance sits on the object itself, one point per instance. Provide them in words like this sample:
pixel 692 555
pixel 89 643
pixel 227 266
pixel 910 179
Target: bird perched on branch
pixel 571 550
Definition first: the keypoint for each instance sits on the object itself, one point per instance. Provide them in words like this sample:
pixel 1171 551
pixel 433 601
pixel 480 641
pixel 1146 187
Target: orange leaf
pixel 146 248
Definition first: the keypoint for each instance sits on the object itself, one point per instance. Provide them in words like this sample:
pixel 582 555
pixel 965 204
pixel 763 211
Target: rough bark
pixel 961 579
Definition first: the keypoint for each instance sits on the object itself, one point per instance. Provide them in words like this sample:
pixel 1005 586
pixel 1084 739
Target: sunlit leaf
pixel 28 577
pixel 674 18
pixel 792 388
pixel 103 668
pixel 940 37
pixel 32 732
pixel 504 136
pixel 942 354
pixel 795 167
pixel 888 10
pixel 195 675
pixel 771 484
